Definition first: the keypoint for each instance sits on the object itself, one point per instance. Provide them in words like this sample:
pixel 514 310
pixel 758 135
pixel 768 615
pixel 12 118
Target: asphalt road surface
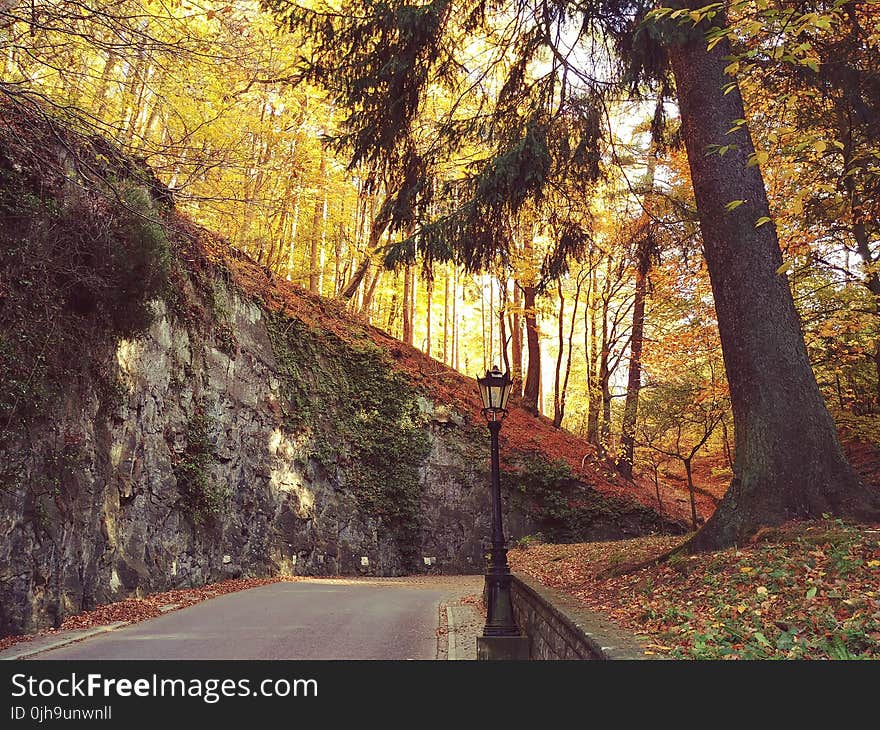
pixel 312 619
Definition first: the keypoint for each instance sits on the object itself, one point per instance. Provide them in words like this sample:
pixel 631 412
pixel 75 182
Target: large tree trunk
pixel 531 390
pixel 788 460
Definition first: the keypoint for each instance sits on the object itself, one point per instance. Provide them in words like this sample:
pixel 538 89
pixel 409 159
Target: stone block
pixel 503 647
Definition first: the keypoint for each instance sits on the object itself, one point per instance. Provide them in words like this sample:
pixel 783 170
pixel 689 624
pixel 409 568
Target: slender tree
pixel 645 251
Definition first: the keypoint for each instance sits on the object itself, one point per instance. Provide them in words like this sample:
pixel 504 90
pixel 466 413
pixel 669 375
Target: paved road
pixel 315 619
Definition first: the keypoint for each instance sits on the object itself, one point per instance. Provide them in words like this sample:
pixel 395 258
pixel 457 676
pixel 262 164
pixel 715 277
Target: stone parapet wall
pixel 560 628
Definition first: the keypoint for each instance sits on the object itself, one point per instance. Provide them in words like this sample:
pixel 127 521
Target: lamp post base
pixel 499 603
pixel 503 648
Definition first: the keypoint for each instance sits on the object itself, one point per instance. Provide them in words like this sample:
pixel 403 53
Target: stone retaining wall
pixel 560 628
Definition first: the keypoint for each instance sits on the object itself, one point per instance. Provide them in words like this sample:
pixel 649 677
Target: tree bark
pixel 594 393
pixel 634 376
pixel 317 228
pixel 407 306
pixel 690 483
pixel 446 360
pixel 532 388
pixel 429 292
pixel 516 343
pixel 788 460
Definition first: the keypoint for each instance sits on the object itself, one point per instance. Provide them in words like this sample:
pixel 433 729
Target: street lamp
pixel 495 390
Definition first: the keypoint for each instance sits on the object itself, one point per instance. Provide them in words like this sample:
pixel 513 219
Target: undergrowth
pixel 568 511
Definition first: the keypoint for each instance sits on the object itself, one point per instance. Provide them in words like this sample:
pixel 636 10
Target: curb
pixel 39 644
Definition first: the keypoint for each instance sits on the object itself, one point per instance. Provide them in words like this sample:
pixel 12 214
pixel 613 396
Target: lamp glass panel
pixel 505 394
pixel 495 392
pixel 484 393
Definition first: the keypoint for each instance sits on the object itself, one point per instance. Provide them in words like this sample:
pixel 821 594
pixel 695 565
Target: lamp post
pixel 495 390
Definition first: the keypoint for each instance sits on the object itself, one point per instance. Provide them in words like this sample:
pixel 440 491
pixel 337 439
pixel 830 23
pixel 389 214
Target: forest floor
pixel 806 590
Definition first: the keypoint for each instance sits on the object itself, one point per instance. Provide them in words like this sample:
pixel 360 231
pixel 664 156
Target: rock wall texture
pixel 112 520
pixel 220 456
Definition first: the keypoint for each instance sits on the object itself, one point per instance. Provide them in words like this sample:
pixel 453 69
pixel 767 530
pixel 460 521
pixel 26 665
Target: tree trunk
pixel 492 359
pixel 561 390
pixel 558 407
pixel 605 382
pixel 100 101
pixel 657 488
pixel 377 229
pixel 502 323
pixel 594 393
pixel 446 360
pixel 516 343
pixel 429 292
pixel 317 227
pixel 531 390
pixel 483 327
pixel 407 305
pixel 455 333
pixel 390 326
pixel 634 377
pixel 788 460
pixel 369 293
pixel 291 251
pixel 690 482
pixel 605 371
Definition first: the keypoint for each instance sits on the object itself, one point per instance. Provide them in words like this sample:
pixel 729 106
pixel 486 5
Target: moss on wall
pixel 360 419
